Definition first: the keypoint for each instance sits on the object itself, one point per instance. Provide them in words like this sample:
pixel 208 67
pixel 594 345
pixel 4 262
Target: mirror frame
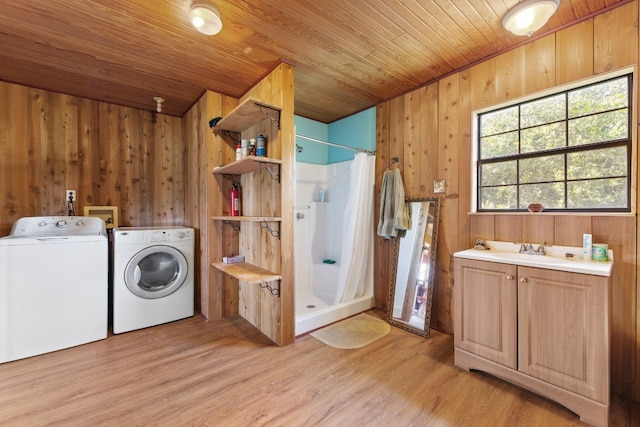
pixel 426 331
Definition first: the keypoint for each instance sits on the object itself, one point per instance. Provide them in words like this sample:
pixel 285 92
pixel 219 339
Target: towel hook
pixel 393 161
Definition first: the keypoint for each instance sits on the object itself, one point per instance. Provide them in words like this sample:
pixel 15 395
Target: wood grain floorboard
pixel 198 373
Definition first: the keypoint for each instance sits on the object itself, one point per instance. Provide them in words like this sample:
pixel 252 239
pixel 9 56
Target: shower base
pixel 313 313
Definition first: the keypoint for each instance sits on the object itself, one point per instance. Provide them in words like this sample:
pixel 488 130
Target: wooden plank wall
pixel 430 129
pixel 111 155
pixel 208 195
pixel 199 197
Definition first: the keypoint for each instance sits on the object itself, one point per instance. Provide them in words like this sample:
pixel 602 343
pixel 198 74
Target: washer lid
pixel 44 226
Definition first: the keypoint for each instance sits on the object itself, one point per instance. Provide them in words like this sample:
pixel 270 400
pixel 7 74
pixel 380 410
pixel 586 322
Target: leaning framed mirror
pixel 413 269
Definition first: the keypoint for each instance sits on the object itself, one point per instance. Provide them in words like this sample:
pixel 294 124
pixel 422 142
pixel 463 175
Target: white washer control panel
pixel 157 236
pixel 41 226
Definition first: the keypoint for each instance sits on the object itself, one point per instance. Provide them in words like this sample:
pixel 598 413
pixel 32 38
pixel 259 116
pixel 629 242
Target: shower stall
pixel 333 241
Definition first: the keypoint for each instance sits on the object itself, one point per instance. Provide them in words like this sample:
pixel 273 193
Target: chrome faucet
pixel 527 248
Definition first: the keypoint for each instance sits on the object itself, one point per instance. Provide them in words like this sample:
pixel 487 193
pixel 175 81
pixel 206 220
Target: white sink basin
pixel 507 253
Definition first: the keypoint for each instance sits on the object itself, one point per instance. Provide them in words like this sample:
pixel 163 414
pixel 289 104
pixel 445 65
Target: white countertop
pixel 555 258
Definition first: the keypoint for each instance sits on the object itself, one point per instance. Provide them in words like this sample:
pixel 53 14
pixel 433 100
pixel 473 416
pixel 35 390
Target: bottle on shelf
pixel 261 150
pixel 245 148
pixel 235 200
pixel 252 147
pixel 238 152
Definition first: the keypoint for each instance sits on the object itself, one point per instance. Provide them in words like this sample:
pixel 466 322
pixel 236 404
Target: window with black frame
pixel 570 151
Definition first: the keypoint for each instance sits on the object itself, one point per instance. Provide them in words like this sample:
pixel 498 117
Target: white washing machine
pixel 53 285
pixel 152 276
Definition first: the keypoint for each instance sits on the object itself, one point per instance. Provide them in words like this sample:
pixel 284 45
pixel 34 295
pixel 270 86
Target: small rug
pixel 355 332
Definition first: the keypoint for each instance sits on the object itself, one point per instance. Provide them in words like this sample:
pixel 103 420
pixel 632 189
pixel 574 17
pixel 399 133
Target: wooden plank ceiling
pixel 349 55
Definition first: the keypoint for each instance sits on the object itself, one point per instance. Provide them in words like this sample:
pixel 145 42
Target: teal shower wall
pixel 311 152
pixel 358 130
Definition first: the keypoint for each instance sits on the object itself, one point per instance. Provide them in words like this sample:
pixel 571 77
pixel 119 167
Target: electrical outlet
pixel 70 195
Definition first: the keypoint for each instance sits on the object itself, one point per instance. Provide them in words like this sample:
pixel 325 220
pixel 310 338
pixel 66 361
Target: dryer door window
pixel 155 272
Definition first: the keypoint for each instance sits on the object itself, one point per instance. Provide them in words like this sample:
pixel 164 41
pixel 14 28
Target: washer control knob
pixel 80 224
pixel 181 235
pixel 42 224
pixel 61 223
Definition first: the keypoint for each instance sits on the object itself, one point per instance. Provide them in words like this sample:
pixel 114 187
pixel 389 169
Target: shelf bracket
pixel 274 291
pixel 235 136
pixel 266 111
pixel 272 173
pixel 266 226
pixel 233 224
pixel 232 178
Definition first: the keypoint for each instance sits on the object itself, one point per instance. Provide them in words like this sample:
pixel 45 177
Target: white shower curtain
pixel 356 267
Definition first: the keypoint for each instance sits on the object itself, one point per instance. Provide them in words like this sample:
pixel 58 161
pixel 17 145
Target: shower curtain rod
pixel 359 150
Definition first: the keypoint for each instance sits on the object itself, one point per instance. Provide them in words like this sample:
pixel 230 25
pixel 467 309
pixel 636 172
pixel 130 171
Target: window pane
pixel 599 193
pixel 597 163
pixel 600 127
pixel 600 97
pixel 501 173
pixel 545 110
pixel 499 121
pixel 541 138
pixel 551 195
pixel 499 198
pixel 499 145
pixel 568 151
pixel 538 169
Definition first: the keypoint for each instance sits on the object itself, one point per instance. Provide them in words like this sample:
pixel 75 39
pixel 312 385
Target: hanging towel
pixel 395 215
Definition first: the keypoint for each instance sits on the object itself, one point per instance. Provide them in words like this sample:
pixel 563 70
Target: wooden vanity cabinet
pixel 544 330
pixel 485 310
pixel 563 330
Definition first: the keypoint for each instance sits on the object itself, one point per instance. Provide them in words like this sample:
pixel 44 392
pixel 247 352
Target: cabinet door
pixel 485 310
pixel 563 324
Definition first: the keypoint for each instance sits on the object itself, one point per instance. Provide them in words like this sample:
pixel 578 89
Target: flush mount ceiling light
pixel 529 16
pixel 205 18
pixel 159 100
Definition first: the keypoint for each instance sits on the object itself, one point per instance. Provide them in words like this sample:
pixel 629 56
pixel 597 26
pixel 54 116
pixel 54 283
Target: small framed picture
pixel 109 214
pixel 439 185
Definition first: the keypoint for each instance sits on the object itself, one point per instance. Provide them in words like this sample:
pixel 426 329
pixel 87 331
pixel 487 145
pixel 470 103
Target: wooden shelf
pixel 248 218
pixel 247 272
pixel 248 113
pixel 246 165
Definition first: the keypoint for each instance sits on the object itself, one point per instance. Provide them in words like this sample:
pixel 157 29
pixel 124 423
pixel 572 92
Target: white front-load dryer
pixel 153 275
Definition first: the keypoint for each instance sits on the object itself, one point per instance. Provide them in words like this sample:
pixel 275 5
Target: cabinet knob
pixel 523 280
pixel 509 277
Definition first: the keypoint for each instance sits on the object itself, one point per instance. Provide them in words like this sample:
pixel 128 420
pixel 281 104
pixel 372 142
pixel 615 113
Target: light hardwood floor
pixel 198 373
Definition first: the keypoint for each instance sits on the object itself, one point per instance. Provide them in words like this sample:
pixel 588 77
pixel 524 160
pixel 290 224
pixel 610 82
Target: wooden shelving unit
pixel 246 114
pixel 261 288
